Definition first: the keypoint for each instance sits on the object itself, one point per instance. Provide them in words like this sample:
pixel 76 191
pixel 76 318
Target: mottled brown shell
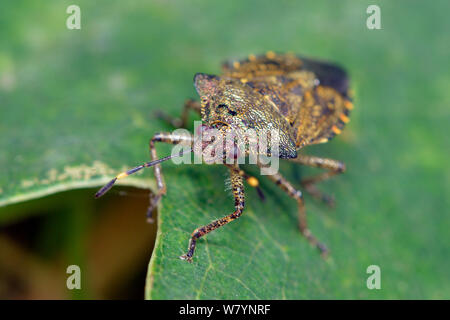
pixel 311 95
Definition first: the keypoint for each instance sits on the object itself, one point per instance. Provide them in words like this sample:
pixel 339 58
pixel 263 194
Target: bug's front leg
pixel 251 180
pixel 166 138
pixel 237 185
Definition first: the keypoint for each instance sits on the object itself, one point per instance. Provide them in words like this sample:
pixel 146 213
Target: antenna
pixel 124 174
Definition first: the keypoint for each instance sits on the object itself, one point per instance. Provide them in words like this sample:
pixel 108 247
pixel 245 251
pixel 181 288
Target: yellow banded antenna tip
pixel 122 175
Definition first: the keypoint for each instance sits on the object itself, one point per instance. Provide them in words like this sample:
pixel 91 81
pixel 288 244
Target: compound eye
pixel 231 112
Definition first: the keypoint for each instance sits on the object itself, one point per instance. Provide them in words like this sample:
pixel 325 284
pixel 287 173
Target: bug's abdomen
pixel 311 95
pixel 323 114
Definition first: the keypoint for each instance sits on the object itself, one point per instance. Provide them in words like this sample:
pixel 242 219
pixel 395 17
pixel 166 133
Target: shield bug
pixel 306 101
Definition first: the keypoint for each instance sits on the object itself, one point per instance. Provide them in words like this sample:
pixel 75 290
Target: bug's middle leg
pixel 237 185
pixel 170 138
pixel 334 167
pixel 302 221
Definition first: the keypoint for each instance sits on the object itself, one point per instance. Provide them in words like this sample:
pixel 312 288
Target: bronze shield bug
pixel 305 100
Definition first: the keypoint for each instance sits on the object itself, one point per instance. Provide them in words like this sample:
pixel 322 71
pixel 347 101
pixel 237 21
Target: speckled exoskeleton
pixel 307 101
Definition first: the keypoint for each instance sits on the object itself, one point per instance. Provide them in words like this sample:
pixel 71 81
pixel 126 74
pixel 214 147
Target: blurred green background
pixel 76 107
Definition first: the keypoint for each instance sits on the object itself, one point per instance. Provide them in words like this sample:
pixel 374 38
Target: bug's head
pixel 220 109
pixel 230 105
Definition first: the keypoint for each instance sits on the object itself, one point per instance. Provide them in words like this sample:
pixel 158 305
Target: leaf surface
pixel 76 108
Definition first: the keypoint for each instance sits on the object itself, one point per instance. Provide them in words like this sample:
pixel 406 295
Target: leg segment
pixel 181 122
pixel 334 167
pixel 167 138
pixel 302 222
pixel 251 180
pixel 239 202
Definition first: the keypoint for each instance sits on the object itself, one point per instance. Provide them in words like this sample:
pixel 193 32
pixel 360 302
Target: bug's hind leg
pixel 334 167
pixel 182 121
pixel 237 183
pixel 302 221
pixel 166 138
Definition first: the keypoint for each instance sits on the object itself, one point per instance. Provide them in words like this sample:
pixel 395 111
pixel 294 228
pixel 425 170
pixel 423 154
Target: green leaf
pixel 76 108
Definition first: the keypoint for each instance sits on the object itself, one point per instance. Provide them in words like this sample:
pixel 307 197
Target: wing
pixel 323 115
pixel 267 65
pixel 312 95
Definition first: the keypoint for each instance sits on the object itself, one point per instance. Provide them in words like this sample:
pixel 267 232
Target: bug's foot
pixel 191 249
pixel 319 195
pixel 150 215
pixel 186 257
pixel 324 252
pixel 154 201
